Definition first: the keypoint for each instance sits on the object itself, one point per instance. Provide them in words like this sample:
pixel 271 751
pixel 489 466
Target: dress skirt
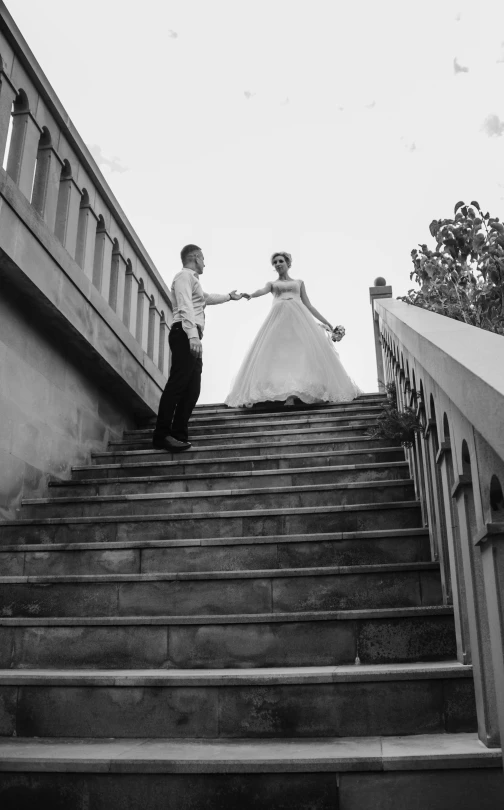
pixel 291 356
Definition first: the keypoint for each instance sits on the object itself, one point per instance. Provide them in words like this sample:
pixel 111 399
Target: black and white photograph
pixel 251 405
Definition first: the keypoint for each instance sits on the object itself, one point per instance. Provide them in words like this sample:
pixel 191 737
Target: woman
pixel 292 356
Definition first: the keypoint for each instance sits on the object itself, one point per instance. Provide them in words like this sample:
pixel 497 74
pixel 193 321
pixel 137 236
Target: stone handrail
pixel 47 165
pixel 452 376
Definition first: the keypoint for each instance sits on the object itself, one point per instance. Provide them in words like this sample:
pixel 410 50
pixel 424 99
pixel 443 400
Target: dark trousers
pixel 182 389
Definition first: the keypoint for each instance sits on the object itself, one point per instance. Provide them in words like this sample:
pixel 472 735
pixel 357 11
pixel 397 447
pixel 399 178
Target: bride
pixel 291 356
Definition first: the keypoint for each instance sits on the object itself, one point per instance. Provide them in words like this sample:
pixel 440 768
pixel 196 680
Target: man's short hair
pixel 187 251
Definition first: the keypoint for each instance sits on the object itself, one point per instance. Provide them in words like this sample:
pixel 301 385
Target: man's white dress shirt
pixel 189 301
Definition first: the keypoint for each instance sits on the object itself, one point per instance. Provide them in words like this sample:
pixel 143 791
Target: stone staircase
pixel 255 623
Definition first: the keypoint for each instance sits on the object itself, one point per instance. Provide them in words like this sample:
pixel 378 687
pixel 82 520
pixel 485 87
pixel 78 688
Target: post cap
pixel 380 282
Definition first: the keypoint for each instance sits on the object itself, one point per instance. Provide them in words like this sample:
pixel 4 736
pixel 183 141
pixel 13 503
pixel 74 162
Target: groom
pixel 183 387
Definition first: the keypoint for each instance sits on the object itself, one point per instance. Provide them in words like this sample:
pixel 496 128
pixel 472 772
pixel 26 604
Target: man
pixel 183 387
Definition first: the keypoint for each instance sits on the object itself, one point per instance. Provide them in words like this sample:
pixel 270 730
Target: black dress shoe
pixel 170 444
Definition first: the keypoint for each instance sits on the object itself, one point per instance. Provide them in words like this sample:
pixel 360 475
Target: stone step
pixel 432 771
pixel 202 482
pixel 186 525
pixel 377 636
pixel 310 702
pixel 356 430
pixel 275 408
pixel 279 407
pixel 216 425
pixel 186 465
pixel 223 592
pixel 245 416
pixel 246 449
pixel 259 499
pixel 217 554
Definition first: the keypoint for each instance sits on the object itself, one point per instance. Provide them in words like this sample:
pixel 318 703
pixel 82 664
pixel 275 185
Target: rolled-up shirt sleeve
pixel 215 298
pixel 182 288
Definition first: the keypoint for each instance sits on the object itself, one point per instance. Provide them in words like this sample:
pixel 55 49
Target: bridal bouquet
pixel 338 333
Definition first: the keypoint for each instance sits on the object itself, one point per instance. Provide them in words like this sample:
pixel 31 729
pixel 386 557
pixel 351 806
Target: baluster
pixel 445 464
pixel 117 280
pixel 479 629
pixel 130 298
pixel 67 212
pixel 99 253
pixel 142 323
pixel 403 398
pixel 438 524
pixel 153 336
pixel 102 259
pixel 47 180
pixel 163 345
pixel 8 95
pixel 490 540
pixel 427 478
pixel 86 236
pixel 23 146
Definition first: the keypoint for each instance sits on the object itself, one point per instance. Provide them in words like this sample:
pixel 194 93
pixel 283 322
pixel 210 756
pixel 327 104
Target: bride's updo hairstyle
pixel 286 256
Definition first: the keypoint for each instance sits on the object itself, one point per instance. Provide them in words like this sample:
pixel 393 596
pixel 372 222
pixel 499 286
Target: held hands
pixel 235 296
pixel 195 347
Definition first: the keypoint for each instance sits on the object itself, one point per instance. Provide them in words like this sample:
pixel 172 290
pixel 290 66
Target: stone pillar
pixel 130 299
pixel 438 524
pixel 67 212
pixel 479 628
pixel 164 349
pixel 117 280
pixel 379 290
pixel 153 336
pixel 142 322
pixel 491 543
pixel 419 451
pixel 102 261
pixel 445 465
pixel 47 183
pixel 8 94
pixel 23 150
pixel 86 239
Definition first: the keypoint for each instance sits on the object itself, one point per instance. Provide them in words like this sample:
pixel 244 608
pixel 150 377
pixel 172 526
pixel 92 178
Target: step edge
pixel 231 514
pixel 272 676
pixel 187 459
pixel 255 445
pixel 229 618
pixel 60 482
pixel 256 573
pixel 241 756
pixel 224 493
pixel 217 541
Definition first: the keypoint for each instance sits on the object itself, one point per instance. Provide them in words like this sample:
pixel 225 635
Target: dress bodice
pixel 285 290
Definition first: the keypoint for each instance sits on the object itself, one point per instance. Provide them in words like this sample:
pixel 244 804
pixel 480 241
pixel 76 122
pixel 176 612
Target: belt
pixel 178 326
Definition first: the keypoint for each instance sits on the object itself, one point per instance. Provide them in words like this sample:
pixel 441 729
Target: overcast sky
pixel 334 130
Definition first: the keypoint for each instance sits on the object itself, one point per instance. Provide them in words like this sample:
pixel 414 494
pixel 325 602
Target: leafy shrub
pixel 463 277
pixel 397 426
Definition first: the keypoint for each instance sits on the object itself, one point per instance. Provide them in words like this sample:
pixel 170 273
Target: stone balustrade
pixel 452 376
pixel 84 313
pixel 45 158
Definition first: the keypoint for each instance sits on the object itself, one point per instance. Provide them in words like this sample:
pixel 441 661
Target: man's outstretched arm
pixel 215 298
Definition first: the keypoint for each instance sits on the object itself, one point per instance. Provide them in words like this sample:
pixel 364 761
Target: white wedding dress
pixel 291 356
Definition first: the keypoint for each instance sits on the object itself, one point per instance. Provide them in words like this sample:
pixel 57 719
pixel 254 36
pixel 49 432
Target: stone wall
pixel 54 412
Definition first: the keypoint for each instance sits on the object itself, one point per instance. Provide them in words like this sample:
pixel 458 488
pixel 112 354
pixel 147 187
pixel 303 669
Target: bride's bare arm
pixel 308 305
pixel 263 291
